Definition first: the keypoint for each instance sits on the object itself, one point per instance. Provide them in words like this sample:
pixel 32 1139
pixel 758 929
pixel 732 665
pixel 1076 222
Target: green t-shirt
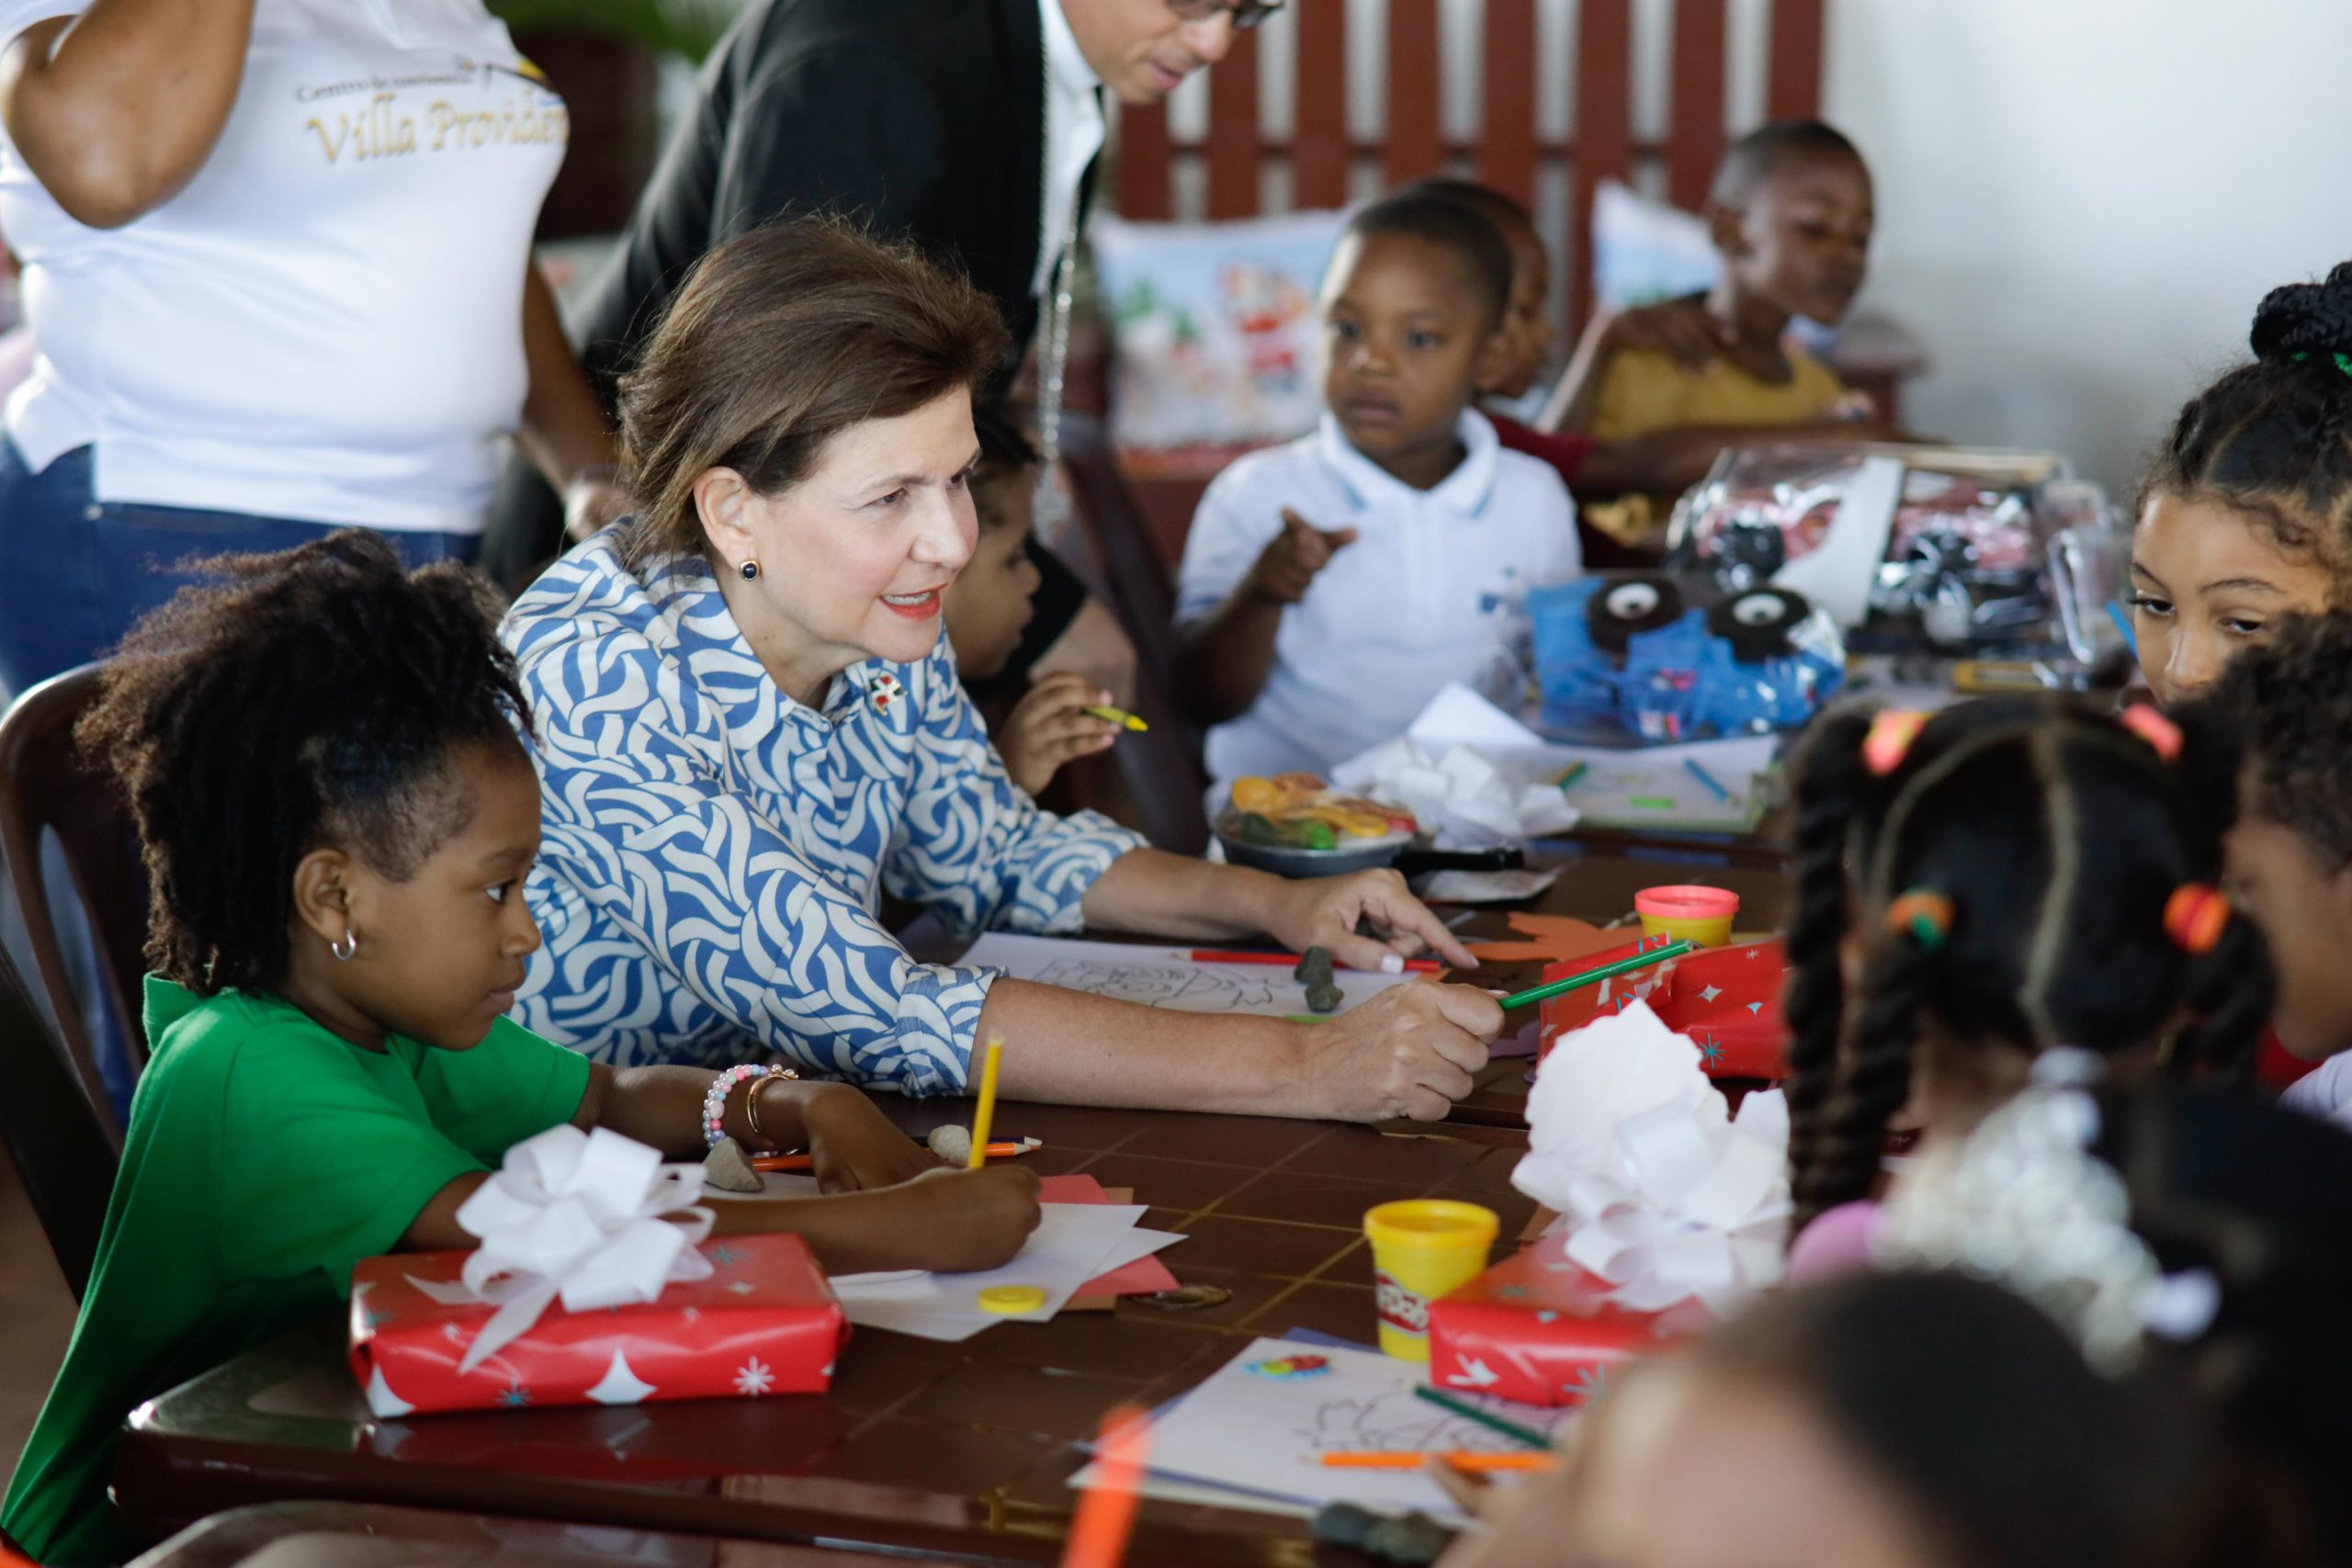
pixel 266 1156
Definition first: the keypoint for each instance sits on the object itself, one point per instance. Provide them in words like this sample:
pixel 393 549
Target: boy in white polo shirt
pixel 1330 587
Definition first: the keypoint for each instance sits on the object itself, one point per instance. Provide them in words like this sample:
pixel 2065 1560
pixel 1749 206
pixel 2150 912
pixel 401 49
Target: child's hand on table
pixel 852 1145
pixel 1048 728
pixel 1289 561
pixel 1325 912
pixel 962 1221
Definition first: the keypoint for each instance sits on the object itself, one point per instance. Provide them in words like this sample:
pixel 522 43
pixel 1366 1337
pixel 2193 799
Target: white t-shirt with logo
pixel 326 322
pixel 1411 604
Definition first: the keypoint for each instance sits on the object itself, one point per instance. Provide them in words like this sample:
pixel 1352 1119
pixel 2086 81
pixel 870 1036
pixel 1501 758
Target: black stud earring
pixel 751 569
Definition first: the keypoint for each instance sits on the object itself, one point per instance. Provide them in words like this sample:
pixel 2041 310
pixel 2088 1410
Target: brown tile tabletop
pixel 957 1450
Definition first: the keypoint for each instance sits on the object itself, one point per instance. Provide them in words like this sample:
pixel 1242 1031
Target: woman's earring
pixel 749 568
pixel 344 949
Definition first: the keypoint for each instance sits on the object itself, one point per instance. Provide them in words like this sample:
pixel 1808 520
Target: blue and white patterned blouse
pixel 713 852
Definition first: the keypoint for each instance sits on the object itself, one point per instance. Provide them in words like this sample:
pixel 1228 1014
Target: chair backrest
pixel 64 1151
pixel 46 784
pixel 1163 767
pixel 1509 149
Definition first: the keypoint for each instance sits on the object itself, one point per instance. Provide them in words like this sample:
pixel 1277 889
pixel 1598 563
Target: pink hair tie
pixel 1889 741
pixel 2162 734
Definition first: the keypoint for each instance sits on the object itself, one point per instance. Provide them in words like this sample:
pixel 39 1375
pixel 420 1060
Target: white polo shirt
pixel 1411 604
pixel 326 322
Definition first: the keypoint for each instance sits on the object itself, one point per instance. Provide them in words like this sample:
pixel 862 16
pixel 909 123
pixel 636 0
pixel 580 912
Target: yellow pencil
pixel 1119 716
pixel 985 1111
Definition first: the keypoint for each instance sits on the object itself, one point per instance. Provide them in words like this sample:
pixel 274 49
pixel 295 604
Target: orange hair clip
pixel 2195 917
pixel 1923 915
pixel 1889 741
pixel 2161 733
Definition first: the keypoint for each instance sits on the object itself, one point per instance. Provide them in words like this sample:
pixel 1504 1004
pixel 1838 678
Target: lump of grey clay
pixel 953 1145
pixel 726 1168
pixel 1323 998
pixel 1314 967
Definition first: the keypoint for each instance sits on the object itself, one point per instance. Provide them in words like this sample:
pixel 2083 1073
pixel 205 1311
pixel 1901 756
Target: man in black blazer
pixel 925 119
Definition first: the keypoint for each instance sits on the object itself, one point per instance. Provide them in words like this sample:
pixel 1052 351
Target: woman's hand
pixel 1325 912
pixel 1049 728
pixel 852 1145
pixel 1411 1050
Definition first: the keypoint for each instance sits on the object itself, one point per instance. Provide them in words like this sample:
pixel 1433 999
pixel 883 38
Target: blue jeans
pixel 75 571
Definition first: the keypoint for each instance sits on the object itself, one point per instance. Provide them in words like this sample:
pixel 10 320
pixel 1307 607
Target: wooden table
pixel 923 1448
pixel 360 1535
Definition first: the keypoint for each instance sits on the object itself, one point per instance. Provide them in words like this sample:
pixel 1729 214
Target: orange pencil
pixel 1098 1532
pixel 802 1162
pixel 1473 1462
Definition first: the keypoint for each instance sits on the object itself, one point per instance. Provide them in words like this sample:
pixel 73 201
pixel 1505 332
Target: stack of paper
pixel 1075 1246
pixel 1253 1436
pixel 1073 1243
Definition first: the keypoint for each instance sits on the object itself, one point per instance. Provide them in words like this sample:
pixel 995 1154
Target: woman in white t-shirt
pixel 277 260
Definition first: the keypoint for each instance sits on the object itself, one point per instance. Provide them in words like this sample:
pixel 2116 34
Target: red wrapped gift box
pixel 1727 999
pixel 1540 1330
pixel 766 1321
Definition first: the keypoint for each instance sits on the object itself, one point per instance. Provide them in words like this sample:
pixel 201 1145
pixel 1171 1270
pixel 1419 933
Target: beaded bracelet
pixel 714 1100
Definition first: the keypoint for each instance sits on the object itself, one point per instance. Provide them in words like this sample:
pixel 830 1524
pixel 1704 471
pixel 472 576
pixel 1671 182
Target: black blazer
pixel 923 117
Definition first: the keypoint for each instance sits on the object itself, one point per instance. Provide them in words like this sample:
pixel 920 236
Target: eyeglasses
pixel 1246 14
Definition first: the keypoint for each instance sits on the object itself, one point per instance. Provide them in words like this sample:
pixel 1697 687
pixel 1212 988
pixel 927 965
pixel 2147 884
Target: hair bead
pixel 2196 915
pixel 1923 915
pixel 1889 741
pixel 2162 734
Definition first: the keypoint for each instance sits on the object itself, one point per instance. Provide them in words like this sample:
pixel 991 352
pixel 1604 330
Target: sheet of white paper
pixel 1483 887
pixel 1460 716
pixel 1072 1244
pixel 1260 1428
pixel 1837 573
pixel 1652 785
pixel 1163 977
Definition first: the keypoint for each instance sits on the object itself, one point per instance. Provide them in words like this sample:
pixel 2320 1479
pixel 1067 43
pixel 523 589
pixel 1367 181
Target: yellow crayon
pixel 1119 716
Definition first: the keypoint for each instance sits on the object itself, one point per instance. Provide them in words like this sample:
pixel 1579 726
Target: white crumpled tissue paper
pixel 1660 1191
pixel 1462 799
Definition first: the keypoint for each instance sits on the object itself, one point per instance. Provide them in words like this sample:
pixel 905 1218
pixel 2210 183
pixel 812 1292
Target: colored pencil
pixel 1119 716
pixel 2123 624
pixel 1574 773
pixel 999 1150
pixel 1291 960
pixel 1707 778
pixel 1469 1412
pixel 1458 1459
pixel 984 1112
pixel 1106 1511
pixel 1594 976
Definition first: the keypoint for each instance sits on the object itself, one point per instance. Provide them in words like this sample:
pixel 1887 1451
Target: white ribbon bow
pixel 1660 1191
pixel 580 1215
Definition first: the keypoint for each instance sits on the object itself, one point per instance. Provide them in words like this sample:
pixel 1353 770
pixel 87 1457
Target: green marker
pixel 1594 976
pixel 1463 1408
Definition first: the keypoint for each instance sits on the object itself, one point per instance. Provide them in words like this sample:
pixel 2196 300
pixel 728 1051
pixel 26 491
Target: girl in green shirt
pixel 321 755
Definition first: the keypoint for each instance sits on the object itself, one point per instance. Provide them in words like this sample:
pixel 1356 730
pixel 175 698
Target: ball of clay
pixel 727 1169
pixel 953 1145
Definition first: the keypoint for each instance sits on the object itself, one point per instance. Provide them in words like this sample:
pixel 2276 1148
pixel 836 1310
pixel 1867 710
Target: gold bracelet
pixel 752 1097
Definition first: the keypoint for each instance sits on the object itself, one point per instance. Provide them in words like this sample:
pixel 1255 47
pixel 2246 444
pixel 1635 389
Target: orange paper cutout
pixel 1556 939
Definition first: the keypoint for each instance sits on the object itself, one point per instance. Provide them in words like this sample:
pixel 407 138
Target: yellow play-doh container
pixel 1422 1249
pixel 1700 916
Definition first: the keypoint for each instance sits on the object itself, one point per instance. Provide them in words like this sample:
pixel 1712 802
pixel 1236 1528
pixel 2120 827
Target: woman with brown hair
pixel 750 727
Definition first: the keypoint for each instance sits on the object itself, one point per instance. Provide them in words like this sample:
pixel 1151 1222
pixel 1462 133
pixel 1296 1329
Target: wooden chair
pixel 1508 151
pixel 65 1145
pixel 45 783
